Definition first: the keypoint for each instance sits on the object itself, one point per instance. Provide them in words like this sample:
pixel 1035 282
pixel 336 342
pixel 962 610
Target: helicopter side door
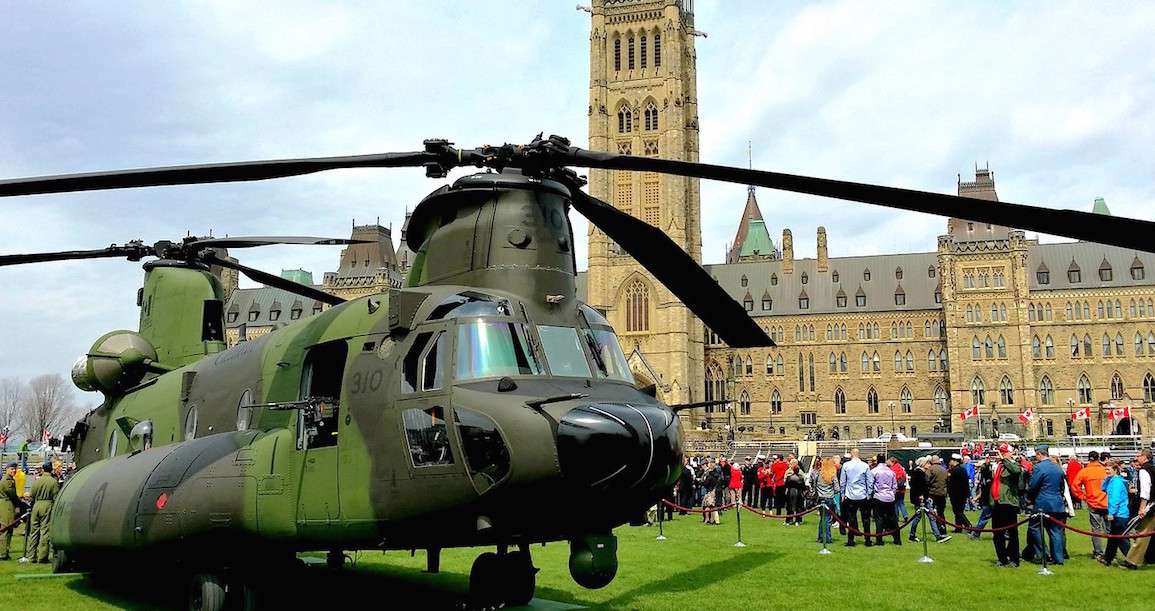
pixel 425 418
pixel 317 431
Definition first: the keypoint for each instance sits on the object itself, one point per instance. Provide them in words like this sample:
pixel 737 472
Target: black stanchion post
pixel 738 519
pixel 661 512
pixel 925 552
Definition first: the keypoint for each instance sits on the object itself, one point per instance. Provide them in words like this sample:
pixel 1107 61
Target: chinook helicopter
pixel 480 405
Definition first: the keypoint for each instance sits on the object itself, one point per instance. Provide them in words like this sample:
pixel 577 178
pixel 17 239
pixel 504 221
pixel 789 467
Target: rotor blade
pixel 210 173
pixel 681 406
pixel 1075 224
pixel 677 270
pixel 112 252
pixel 274 281
pixel 254 241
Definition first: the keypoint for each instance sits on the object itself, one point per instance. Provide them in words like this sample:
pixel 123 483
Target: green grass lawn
pixel 695 567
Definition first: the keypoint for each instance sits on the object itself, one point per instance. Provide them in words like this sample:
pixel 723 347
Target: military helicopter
pixel 481 405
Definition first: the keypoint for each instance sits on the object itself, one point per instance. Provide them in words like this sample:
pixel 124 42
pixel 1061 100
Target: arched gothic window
pixel 637 307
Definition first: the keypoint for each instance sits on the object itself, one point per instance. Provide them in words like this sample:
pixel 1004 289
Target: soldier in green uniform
pixel 44 491
pixel 9 500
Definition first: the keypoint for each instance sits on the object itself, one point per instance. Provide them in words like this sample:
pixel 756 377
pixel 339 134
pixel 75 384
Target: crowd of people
pixel 868 498
pixel 30 508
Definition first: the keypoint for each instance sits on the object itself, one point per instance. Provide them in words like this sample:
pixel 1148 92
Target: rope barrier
pixel 1138 535
pixel 934 516
pixel 787 516
pixel 855 531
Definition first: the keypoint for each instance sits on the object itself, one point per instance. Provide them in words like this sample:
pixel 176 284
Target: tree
pixel 11 397
pixel 49 405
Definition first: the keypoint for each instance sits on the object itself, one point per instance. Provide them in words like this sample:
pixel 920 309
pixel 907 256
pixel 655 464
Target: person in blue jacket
pixel 1118 512
pixel 1045 493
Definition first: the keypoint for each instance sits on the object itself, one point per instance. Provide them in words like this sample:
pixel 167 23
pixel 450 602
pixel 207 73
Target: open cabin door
pixel 317 431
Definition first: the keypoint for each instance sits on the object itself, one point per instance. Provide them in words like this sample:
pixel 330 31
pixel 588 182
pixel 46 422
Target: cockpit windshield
pixel 494 348
pixel 564 352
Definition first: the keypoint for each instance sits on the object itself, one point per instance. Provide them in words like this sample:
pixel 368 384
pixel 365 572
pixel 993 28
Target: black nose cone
pixel 619 447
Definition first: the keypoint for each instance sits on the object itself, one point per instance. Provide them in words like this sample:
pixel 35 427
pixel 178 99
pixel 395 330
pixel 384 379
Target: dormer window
pixel 253 314
pixel 930 272
pixel 1136 269
pixel 834 276
pixel 294 314
pixel 898 273
pixel 745 281
pixel 1043 275
pixel 1105 271
pixel 1073 273
pixel 866 275
pixel 773 279
pixel 899 296
pixel 274 314
pixel 805 278
pixel 233 317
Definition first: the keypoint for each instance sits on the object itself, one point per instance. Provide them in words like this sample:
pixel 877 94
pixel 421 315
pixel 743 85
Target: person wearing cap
pixel 958 488
pixel 749 482
pixel 920 497
pixel 982 495
pixel 43 494
pixel 1005 492
pixel 936 485
pixel 1045 493
pixel 9 501
pixel 1088 486
pixel 1146 512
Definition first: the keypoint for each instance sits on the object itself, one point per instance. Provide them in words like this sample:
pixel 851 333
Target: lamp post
pixel 890 404
pixel 1070 407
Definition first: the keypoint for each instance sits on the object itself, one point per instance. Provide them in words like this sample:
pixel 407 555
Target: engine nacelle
pixel 116 361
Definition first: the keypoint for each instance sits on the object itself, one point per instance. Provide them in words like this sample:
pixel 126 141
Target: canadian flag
pixel 1026 416
pixel 46 435
pixel 967 413
pixel 1082 414
pixel 1119 413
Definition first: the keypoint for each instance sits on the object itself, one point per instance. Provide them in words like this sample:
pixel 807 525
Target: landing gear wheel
pixel 207 593
pixel 485 580
pixel 62 562
pixel 520 578
pixel 335 559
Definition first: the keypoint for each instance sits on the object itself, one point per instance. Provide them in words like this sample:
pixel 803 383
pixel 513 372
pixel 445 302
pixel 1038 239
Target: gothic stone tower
pixel 643 101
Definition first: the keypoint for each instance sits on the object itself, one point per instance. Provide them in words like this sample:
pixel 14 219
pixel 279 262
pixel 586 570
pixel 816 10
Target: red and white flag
pixel 1026 416
pixel 967 413
pixel 1081 414
pixel 46 436
pixel 1119 413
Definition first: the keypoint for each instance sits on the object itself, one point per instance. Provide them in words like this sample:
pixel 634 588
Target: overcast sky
pixel 1058 98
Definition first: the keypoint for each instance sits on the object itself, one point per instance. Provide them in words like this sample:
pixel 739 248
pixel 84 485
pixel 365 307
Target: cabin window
pixel 427 438
pixel 492 349
pixel 245 410
pixel 190 427
pixel 486 453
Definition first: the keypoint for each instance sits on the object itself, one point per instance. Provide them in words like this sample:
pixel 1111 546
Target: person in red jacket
pixel 735 484
pixel 1073 467
pixel 779 470
pixel 766 483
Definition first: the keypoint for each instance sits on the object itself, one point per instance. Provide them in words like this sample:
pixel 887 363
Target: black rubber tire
pixel 486 580
pixel 520 579
pixel 207 592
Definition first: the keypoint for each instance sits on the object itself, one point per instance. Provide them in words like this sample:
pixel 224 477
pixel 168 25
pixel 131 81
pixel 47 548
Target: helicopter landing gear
pixel 505 578
pixel 207 592
pixel 335 559
pixel 593 560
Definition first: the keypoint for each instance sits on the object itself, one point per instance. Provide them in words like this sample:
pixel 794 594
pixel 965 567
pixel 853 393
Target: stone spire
pixel 822 256
pixel 787 252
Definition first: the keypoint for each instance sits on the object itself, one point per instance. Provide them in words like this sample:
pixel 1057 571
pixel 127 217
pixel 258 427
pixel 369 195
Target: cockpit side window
pixel 494 348
pixel 603 344
pixel 423 367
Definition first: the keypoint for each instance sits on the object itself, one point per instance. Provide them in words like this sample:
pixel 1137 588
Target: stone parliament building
pixel 865 344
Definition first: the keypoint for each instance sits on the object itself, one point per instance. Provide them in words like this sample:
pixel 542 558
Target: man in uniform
pixel 43 494
pixel 9 501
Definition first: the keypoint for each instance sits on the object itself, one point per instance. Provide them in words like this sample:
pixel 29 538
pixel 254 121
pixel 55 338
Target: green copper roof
pixel 757 240
pixel 299 276
pixel 1101 207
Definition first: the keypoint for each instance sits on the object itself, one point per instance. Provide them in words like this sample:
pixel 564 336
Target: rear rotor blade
pixel 273 280
pixel 675 269
pixel 1075 224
